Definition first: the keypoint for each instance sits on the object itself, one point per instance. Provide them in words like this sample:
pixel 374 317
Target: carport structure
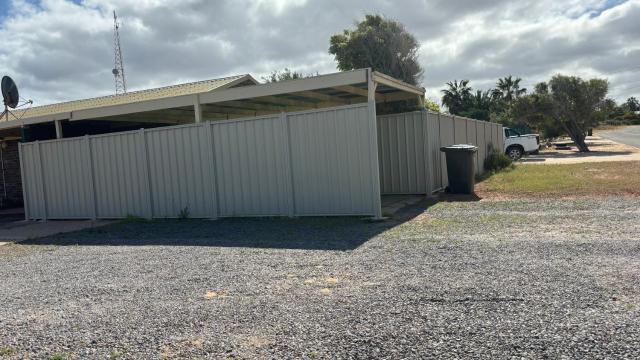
pixel 306 147
pixel 217 99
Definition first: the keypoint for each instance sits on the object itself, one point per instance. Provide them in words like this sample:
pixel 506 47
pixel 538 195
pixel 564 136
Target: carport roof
pixel 336 89
pixel 137 96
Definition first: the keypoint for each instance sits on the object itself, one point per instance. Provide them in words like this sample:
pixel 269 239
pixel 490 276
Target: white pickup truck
pixel 516 144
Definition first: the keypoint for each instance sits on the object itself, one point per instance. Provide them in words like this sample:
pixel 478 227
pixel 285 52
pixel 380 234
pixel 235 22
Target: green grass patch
pixel 566 180
pixel 7 350
pixel 59 356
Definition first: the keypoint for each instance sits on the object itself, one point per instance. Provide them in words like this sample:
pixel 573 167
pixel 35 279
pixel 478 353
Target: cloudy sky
pixel 59 50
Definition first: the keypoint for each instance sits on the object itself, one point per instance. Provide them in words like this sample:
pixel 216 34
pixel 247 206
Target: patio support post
pixel 373 133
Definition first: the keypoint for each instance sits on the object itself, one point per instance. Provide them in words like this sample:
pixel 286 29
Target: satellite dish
pixel 9 92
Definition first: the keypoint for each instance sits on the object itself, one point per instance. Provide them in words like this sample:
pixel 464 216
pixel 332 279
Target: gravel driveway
pixel 486 279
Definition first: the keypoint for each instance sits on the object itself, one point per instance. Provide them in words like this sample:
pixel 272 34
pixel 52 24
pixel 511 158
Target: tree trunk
pixel 580 143
pixel 577 136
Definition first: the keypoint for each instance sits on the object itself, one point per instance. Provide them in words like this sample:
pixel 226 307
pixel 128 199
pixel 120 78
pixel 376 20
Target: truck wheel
pixel 514 152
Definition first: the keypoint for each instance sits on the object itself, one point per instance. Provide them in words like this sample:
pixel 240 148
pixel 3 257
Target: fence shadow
pixel 313 233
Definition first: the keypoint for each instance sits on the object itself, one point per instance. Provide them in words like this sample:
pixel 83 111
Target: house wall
pixel 409 146
pixel 317 162
pixel 10 179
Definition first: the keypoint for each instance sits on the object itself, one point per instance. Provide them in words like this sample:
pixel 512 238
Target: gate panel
pixel 403 149
pixel 252 167
pixel 332 157
pixel 67 178
pixel 180 171
pixel 119 176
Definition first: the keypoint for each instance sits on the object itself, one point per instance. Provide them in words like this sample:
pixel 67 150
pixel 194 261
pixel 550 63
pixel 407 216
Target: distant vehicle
pixel 516 144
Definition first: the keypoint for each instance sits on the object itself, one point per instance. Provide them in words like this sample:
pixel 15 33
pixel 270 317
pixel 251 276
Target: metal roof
pixel 136 96
pixel 318 91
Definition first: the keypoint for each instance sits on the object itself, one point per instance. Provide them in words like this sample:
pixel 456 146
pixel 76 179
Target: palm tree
pixel 482 99
pixel 456 96
pixel 508 89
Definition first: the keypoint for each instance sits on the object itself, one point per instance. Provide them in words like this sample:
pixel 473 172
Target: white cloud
pixel 59 50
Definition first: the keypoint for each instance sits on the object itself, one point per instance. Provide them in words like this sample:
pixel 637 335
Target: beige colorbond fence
pixel 409 148
pixel 320 162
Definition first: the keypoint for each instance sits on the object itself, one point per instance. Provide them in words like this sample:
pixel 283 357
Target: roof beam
pixel 286 87
pixel 396 84
pixel 358 91
pixel 321 97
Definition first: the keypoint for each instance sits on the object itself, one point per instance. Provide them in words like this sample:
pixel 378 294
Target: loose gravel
pixel 489 279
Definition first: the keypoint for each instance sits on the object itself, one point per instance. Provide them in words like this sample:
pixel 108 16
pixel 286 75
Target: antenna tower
pixel 118 70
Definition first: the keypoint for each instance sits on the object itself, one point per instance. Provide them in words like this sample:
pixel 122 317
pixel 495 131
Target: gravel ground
pixel 490 279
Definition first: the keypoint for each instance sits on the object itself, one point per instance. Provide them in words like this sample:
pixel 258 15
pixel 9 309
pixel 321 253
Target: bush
pixel 497 161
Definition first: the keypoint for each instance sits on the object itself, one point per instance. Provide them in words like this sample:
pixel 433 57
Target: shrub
pixel 497 161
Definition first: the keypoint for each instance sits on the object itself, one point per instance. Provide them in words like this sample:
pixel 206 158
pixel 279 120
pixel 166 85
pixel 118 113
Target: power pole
pixel 118 69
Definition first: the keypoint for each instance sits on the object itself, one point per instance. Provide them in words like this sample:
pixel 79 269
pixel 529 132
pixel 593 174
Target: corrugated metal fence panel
pixel 460 130
pixel 487 135
pixel 32 185
pixel 331 161
pixel 447 137
pixel 433 131
pixel 473 139
pixel 402 144
pixel 180 171
pixel 120 173
pixel 482 145
pixel 66 168
pixel 252 167
pixel 500 137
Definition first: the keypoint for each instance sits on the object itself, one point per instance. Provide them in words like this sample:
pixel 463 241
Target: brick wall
pixel 12 179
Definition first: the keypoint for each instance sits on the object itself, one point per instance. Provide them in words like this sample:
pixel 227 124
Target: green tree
pixel 478 106
pixel 457 97
pixel 633 104
pixel 431 105
pixel 570 103
pixel 508 89
pixel 381 44
pixel 284 75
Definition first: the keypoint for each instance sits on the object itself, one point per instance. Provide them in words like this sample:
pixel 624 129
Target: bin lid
pixel 459 147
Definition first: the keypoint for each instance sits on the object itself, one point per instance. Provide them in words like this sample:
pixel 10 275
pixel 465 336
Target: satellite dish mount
pixel 10 97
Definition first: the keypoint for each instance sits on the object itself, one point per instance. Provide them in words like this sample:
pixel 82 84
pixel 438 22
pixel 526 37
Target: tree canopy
pixel 381 44
pixel 633 104
pixel 569 102
pixel 431 105
pixel 457 96
pixel 286 74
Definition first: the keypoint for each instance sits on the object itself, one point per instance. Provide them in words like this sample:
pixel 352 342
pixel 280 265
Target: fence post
pixel 92 179
pixel 289 156
pixel 146 179
pixel 25 195
pixel 424 116
pixel 43 193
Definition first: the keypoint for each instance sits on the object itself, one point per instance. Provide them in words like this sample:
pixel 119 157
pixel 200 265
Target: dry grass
pixel 594 179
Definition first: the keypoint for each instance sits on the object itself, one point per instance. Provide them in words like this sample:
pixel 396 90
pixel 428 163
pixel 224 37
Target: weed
pixel 59 356
pixel 7 350
pixel 184 213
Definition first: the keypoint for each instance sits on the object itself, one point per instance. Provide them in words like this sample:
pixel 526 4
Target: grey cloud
pixel 191 40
